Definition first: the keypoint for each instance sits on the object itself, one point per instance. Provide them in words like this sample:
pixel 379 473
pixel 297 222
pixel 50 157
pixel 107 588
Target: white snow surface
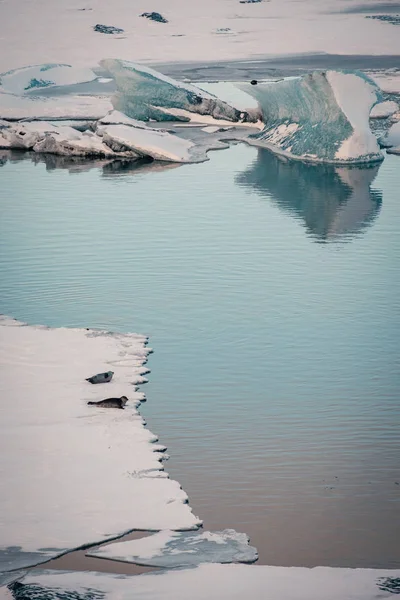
pixel 38 31
pixel 74 474
pixel 355 96
pixel 16 108
pixel 160 145
pixel 384 109
pixel 227 582
pixel 30 79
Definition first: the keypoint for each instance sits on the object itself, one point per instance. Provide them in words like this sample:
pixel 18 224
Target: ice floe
pixel 72 474
pixel 157 144
pixel 215 582
pixel 31 79
pixel 182 549
pixel 321 117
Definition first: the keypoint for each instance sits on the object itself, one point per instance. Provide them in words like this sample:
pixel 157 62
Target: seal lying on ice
pixel 101 377
pixel 111 402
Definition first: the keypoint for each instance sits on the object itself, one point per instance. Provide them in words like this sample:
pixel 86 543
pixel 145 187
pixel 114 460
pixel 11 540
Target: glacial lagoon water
pixel 271 294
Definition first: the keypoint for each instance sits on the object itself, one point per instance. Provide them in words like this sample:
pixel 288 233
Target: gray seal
pixel 111 402
pixel 101 377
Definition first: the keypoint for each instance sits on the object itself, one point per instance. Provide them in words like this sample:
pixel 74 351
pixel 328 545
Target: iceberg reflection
pixel 334 202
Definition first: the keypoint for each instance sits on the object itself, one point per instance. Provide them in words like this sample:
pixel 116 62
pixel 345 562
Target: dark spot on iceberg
pixel 389 584
pixel 393 20
pixel 250 1
pixel 107 29
pixel 154 16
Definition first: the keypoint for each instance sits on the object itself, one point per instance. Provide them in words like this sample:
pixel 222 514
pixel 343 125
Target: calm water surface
pixel 271 294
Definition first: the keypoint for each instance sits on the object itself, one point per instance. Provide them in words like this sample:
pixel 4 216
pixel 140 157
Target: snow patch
pixel 221 582
pixel 82 470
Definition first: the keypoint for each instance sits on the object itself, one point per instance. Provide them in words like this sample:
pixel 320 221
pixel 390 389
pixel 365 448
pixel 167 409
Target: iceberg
pixel 173 549
pixel 33 78
pixel 213 582
pixel 320 117
pixel 145 94
pixel 74 475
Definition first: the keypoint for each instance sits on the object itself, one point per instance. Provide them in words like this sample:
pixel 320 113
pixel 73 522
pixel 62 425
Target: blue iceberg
pixel 145 94
pixel 320 117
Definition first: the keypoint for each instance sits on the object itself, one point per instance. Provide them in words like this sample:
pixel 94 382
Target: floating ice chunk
pixel 215 582
pixel 392 138
pixel 16 108
pixel 154 16
pixel 84 471
pixel 66 141
pixel 32 79
pixel 26 135
pixel 182 549
pixel 160 145
pixel 145 94
pixel 384 109
pixel 109 29
pixel 321 117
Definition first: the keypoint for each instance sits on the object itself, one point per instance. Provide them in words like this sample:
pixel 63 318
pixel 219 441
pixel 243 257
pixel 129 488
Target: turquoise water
pixel 271 295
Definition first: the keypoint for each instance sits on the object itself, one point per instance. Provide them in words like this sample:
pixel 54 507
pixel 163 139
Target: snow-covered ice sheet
pixel 182 549
pixel 16 108
pixel 145 94
pixel 74 474
pixel 321 117
pixel 216 582
pixel 33 78
pixel 38 31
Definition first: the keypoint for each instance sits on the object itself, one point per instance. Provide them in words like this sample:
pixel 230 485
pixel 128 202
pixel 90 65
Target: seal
pixel 101 377
pixel 253 82
pixel 111 402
